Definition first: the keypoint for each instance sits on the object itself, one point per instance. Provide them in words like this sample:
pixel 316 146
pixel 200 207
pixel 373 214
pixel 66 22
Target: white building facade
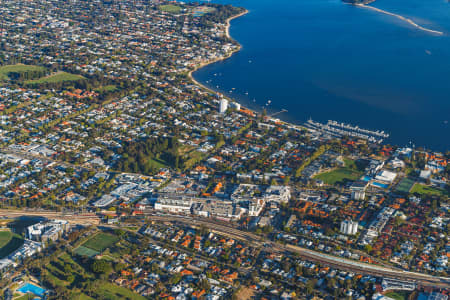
pixel 223 106
pixel 349 227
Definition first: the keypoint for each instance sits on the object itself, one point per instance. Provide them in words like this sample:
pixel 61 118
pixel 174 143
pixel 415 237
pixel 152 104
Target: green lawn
pixel 26 297
pixel 340 175
pixel 405 185
pixel 427 190
pixel 193 157
pixel 83 251
pixel 100 241
pixel 397 295
pixel 106 88
pixel 5 237
pixel 57 272
pixel 111 291
pixel 19 68
pixel 350 164
pixel 80 296
pixel 158 163
pixel 9 242
pixel 67 259
pixel 170 8
pixel 56 78
pixel 54 279
pixel 58 275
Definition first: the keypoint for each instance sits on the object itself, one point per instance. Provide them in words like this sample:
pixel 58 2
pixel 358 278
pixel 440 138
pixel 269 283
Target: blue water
pixel 366 178
pixel 31 288
pixel 381 185
pixel 328 60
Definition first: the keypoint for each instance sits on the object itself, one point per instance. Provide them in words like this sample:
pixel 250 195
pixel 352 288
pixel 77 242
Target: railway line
pixel 326 259
pixel 254 240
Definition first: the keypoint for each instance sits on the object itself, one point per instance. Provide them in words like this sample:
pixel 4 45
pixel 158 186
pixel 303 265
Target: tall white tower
pixel 223 106
pixel 349 227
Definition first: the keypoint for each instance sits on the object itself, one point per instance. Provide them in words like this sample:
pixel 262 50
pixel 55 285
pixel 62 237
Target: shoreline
pixel 204 64
pixel 290 124
pixel 407 20
pixel 228 22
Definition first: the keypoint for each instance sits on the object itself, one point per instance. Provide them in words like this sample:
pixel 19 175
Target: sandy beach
pixel 203 64
pixel 411 22
pixel 227 31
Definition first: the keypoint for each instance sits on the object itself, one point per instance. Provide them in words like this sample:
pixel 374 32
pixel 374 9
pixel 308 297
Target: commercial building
pixel 47 230
pixel 277 193
pixel 255 207
pixel 358 189
pixel 174 203
pixel 394 284
pixel 386 176
pixel 225 210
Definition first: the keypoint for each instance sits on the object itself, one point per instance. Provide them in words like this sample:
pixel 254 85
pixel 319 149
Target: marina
pixel 357 129
pixel 336 129
pixel 313 77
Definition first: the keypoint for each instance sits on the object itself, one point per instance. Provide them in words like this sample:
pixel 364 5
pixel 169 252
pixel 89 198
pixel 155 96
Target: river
pixel 324 59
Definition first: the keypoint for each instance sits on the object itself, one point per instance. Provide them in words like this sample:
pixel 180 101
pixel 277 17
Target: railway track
pixel 325 259
pixel 258 242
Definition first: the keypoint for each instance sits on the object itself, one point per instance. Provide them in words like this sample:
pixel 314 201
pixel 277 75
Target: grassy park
pixel 342 174
pixel 9 242
pixel 5 237
pixel 111 291
pixel 422 189
pixel 66 271
pixel 106 88
pixel 19 68
pixel 339 175
pixel 56 78
pixel 170 8
pixel 100 241
pixel 84 251
pixel 397 295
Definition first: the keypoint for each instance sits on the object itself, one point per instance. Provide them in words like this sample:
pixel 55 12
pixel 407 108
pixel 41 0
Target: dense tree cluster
pixel 220 15
pixel 144 156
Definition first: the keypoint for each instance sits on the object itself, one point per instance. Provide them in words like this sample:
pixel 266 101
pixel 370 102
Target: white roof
pixel 387 176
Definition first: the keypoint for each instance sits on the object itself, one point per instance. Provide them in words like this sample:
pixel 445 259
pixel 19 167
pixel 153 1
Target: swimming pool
pixel 381 185
pixel 366 178
pixel 31 288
